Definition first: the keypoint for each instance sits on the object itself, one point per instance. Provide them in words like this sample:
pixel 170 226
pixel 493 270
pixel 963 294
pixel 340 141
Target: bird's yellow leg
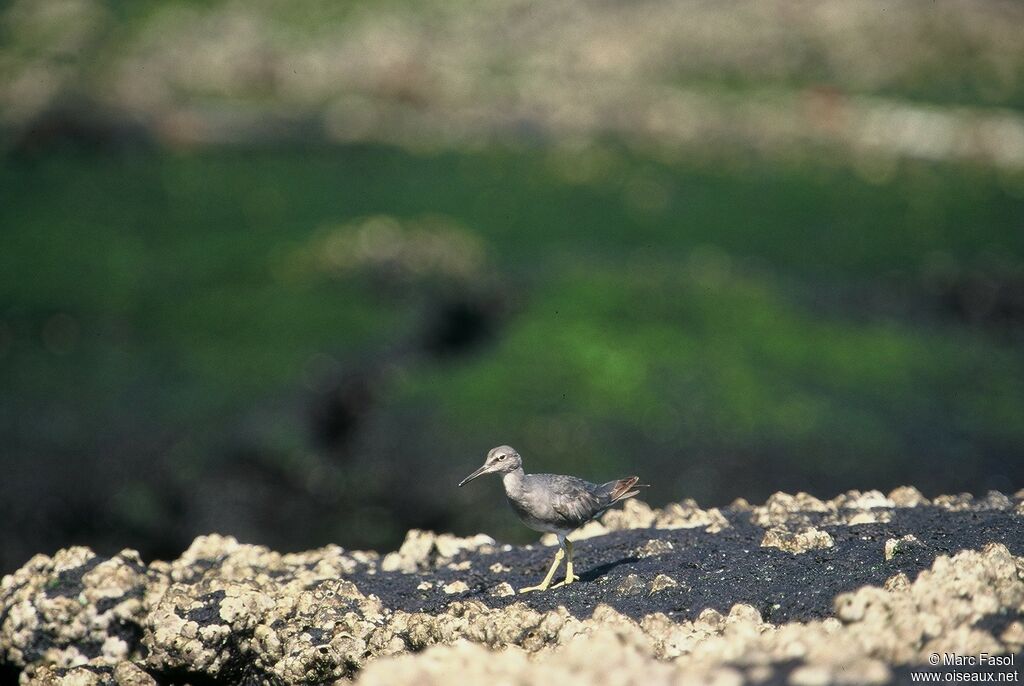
pixel 543 585
pixel 569 576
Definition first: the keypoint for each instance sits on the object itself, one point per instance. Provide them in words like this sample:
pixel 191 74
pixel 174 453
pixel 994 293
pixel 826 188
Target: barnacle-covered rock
pixel 423 550
pixel 241 606
pixel 636 514
pixel 938 612
pixel 93 673
pixel 442 605
pixel 797 541
pixel 73 607
pixel 900 546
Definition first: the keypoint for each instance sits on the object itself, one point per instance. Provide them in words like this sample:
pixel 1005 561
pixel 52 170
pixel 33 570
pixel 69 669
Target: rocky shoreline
pixel 863 588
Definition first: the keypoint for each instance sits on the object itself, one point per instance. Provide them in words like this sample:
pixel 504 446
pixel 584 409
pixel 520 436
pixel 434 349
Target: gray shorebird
pixel 552 503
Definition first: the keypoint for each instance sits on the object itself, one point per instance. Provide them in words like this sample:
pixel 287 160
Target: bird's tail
pixel 624 488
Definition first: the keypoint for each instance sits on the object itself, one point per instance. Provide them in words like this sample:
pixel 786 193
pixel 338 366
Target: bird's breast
pixel 533 514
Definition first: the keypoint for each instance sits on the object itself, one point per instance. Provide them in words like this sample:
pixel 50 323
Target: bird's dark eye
pixel 501 457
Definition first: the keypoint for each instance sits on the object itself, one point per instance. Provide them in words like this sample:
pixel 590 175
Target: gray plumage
pixel 552 503
pixel 556 503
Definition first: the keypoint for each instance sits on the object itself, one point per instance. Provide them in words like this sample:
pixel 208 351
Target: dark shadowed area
pixel 287 273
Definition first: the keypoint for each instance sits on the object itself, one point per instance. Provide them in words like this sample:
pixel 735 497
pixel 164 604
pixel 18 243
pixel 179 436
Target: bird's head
pixel 501 460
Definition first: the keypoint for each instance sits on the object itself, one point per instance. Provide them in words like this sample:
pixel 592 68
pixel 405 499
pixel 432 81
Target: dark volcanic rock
pixel 714 570
pixel 861 589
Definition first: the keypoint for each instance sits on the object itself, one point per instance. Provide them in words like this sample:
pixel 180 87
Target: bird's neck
pixel 513 481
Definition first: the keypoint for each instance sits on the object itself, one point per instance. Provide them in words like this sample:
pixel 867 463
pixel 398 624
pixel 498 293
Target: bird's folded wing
pixel 574 501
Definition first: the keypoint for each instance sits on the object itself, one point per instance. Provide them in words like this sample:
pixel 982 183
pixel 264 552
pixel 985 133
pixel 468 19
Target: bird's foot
pixel 569 578
pixel 543 585
pixel 538 587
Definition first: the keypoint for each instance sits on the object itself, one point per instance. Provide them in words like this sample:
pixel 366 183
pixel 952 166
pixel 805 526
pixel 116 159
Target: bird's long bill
pixel 479 472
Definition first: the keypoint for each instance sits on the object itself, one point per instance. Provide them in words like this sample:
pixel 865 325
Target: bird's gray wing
pixel 574 499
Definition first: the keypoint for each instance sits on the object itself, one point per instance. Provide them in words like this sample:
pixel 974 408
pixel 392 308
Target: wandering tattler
pixel 552 503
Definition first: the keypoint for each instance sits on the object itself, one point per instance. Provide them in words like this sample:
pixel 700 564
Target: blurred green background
pixel 286 270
